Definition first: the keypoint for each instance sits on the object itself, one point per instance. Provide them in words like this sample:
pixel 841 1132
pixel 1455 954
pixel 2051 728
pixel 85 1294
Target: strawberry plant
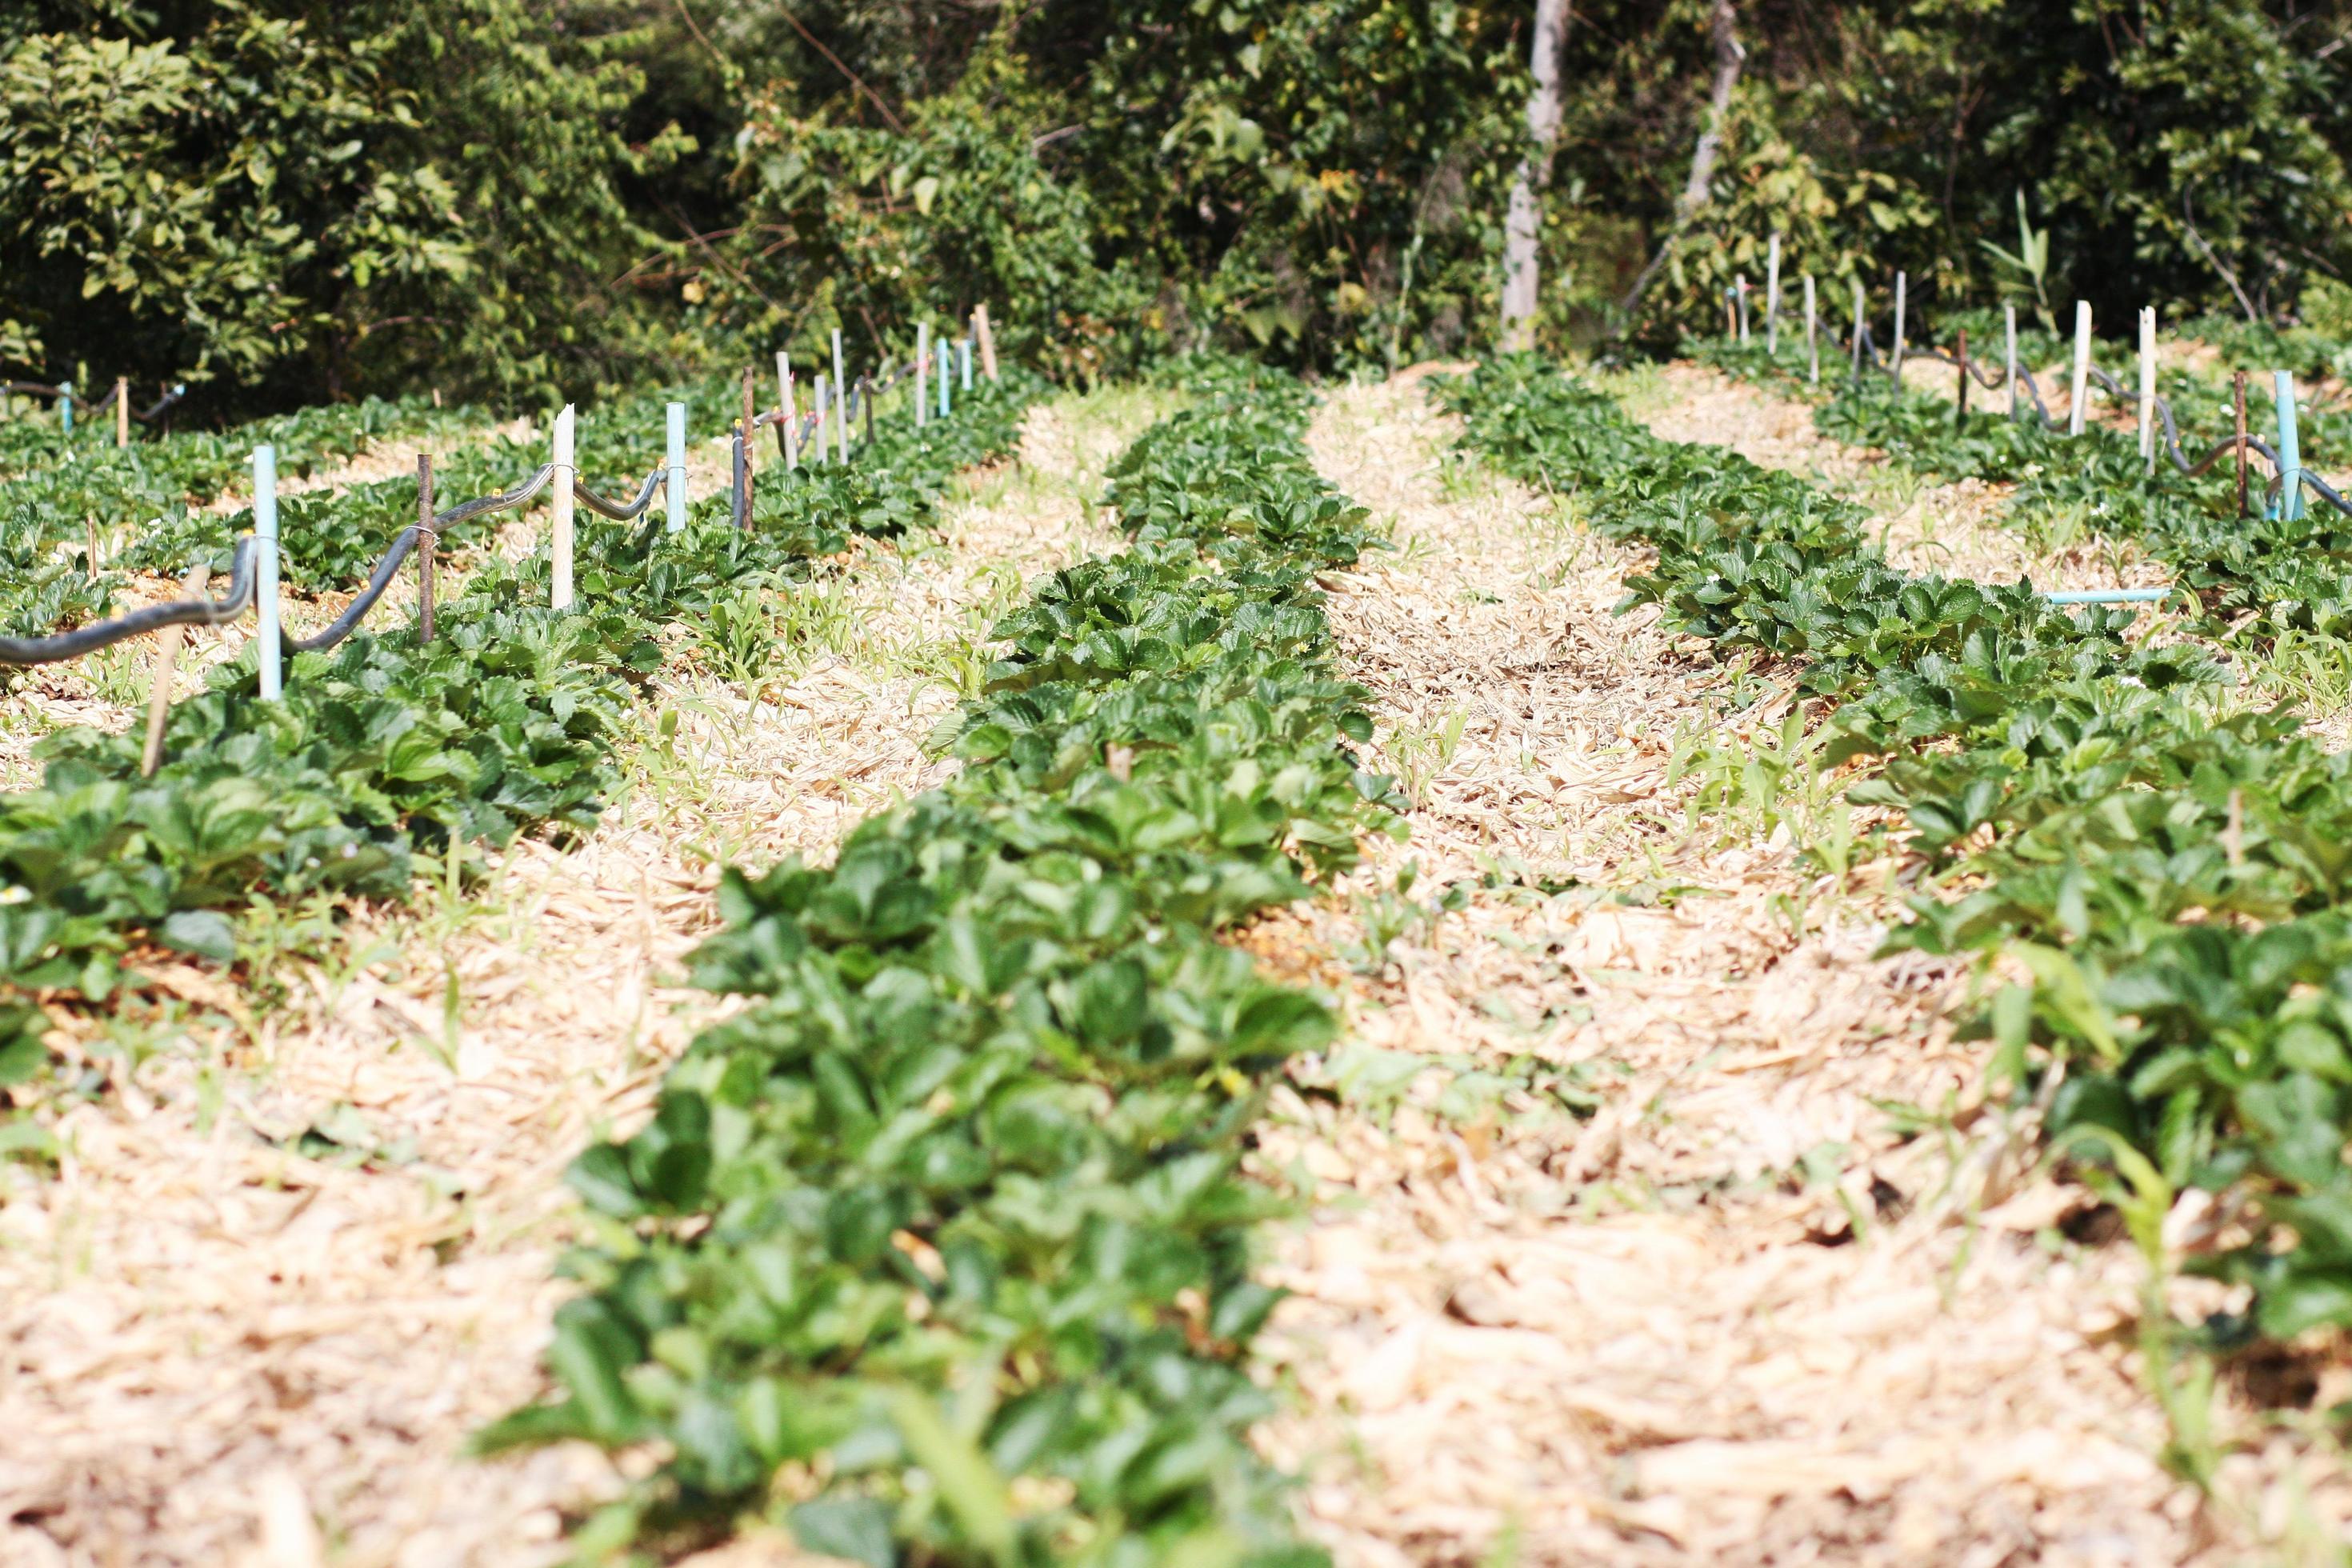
pixel 2163 860
pixel 940 1250
pixel 503 724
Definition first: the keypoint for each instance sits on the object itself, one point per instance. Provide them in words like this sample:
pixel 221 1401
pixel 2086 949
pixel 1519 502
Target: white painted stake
pixel 790 406
pixel 265 571
pixel 2009 321
pixel 816 406
pixel 1812 336
pixel 1901 283
pixel 841 395
pixel 1740 292
pixel 1772 297
pixel 922 371
pixel 674 486
pixel 567 470
pixel 2147 387
pixel 963 354
pixel 2074 409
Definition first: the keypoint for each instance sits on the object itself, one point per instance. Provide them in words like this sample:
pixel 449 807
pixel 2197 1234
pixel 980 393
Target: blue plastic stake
pixel 265 570
pixel 944 357
pixel 674 484
pixel 65 406
pixel 2290 458
pixel 2110 596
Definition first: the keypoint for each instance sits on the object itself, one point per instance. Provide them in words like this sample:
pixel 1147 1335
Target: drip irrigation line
pixel 104 401
pixel 62 646
pixel 65 645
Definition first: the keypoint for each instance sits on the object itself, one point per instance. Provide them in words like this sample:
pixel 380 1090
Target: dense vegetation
pixel 273 197
pixel 386 748
pixel 2161 858
pixel 941 1248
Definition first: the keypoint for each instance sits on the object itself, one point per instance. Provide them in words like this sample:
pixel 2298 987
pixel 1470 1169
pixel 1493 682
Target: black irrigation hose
pixel 347 623
pixel 2172 447
pixel 105 401
pixel 204 612
pixel 62 646
pixel 620 511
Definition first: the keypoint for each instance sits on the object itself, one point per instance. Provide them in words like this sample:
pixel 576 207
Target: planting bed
pixel 1480 967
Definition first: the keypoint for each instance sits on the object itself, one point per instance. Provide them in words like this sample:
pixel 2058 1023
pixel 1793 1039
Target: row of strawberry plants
pixel 2169 864
pixel 2257 576
pixel 383 745
pixel 938 1251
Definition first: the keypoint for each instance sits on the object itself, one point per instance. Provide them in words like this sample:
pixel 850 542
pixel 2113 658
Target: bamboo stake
pixel 2009 323
pixel 1812 336
pixel 1772 297
pixel 266 653
pixel 841 395
pixel 987 335
pixel 1894 366
pixel 1857 329
pixel 922 371
pixel 2147 387
pixel 2238 381
pixel 1961 417
pixel 791 406
pixel 866 387
pixel 2075 407
pixel 123 411
pixel 428 539
pixel 159 695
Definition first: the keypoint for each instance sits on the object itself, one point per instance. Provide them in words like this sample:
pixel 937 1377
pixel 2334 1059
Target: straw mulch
pixel 1951 529
pixel 286 1269
pixel 1721 1309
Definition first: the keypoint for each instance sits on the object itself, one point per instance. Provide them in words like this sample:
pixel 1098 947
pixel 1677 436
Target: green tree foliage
pixel 291 198
pixel 312 197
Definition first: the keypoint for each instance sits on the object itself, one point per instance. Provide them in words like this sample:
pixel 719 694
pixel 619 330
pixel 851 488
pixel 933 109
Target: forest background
pixel 279 202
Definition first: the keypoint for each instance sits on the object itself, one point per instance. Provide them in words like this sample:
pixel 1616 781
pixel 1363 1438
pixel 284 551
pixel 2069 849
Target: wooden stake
pixel 159 695
pixel 2075 407
pixel 792 414
pixel 90 548
pixel 2008 321
pixel 123 411
pixel 866 387
pixel 1895 365
pixel 923 371
pixel 1961 417
pixel 1772 297
pixel 1857 329
pixel 2240 387
pixel 987 341
pixel 428 539
pixel 567 471
pixel 1812 336
pixel 841 392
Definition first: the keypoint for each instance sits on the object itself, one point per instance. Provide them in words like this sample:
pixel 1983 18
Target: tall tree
pixel 1523 229
pixel 1728 60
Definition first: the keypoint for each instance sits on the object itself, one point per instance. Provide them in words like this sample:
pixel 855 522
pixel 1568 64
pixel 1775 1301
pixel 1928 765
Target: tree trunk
pixel 1522 228
pixel 1728 60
